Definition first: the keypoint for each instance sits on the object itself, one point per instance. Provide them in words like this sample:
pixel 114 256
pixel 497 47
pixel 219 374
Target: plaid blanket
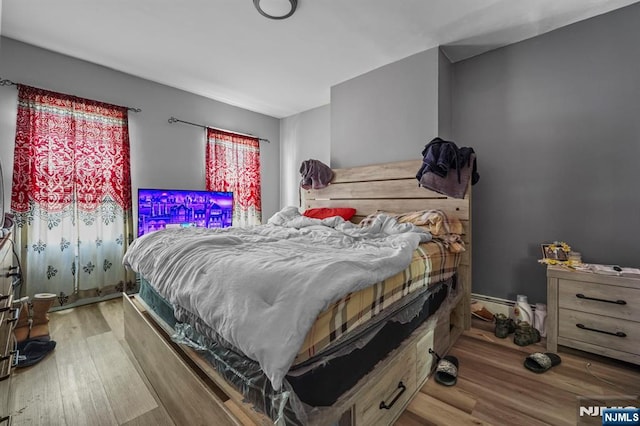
pixel 432 262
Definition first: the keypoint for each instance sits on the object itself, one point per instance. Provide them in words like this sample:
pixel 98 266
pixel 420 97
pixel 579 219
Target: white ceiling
pixel 225 50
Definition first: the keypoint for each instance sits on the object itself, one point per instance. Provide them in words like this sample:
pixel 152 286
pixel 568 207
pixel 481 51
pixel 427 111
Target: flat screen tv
pixel 173 208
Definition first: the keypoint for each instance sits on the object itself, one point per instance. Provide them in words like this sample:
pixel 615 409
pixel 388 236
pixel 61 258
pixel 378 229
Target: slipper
pixel 33 351
pixel 479 311
pixel 539 362
pixel 447 371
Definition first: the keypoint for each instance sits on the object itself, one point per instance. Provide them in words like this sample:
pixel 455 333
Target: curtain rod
pixel 5 82
pixel 177 120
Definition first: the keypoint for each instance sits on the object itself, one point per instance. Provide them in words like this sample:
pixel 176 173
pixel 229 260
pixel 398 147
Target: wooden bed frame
pixel 195 394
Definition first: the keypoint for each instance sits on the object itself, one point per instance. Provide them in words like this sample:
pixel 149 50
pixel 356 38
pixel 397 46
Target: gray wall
pixel 445 72
pixel 162 154
pixel 4 195
pixel 556 124
pixel 303 136
pixel 387 114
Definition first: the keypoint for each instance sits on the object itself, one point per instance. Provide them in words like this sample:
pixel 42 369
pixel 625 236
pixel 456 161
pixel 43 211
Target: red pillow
pixel 322 213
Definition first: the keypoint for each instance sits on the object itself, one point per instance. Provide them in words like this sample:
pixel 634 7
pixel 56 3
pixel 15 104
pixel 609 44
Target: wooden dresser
pixel 594 313
pixel 7 322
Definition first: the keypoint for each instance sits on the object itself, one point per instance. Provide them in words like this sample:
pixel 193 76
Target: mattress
pixel 323 385
pixel 261 289
pixel 345 342
pixel 317 387
pixel 432 263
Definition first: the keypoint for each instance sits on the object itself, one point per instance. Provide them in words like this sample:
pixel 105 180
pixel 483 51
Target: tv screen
pixel 172 208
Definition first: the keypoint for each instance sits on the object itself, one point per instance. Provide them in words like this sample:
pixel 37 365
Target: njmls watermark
pixel 609 410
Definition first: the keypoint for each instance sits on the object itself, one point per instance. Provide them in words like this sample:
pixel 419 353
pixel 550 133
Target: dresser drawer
pixel 599 330
pixel 6 300
pixel 601 299
pixel 5 287
pixel 6 363
pixel 8 320
pixel 394 389
pixel 5 264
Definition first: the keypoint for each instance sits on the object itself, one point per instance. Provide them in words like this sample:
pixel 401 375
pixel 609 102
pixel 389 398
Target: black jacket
pixel 440 156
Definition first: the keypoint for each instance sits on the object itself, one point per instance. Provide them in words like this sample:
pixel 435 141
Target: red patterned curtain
pixel 233 164
pixel 71 194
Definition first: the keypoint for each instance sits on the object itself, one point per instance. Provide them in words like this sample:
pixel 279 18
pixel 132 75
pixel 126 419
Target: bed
pixel 196 386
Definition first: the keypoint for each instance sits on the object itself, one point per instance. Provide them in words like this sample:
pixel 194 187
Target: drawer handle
pixel 14 311
pixel 617 333
pixel 9 355
pixel 384 406
pixel 617 302
pixel 6 376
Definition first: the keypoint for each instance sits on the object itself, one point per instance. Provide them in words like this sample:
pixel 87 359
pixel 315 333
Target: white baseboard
pixel 494 304
pixel 497 305
pixel 86 301
pixel 500 306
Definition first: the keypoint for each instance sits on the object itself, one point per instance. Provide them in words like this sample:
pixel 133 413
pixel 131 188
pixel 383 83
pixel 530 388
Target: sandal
pixel 539 362
pixel 32 351
pixel 447 369
pixel 479 311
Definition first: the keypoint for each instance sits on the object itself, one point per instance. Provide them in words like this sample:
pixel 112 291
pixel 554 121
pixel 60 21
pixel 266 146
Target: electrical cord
pixel 588 364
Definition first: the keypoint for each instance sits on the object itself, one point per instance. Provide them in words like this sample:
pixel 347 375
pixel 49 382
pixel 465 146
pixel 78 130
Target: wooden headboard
pixel 393 187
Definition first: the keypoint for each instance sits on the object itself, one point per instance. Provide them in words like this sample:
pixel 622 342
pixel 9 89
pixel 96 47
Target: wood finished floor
pixel 92 378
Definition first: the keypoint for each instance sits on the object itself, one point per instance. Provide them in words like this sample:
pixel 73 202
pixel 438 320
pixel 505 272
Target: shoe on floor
pixel 539 362
pixel 32 351
pixel 479 311
pixel 447 371
pixel 504 326
pixel 525 334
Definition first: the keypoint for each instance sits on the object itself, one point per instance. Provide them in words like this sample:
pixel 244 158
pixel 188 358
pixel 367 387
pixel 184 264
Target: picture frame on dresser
pixel 551 251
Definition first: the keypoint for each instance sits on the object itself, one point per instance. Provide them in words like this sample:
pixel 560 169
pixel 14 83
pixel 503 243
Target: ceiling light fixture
pixel 276 9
